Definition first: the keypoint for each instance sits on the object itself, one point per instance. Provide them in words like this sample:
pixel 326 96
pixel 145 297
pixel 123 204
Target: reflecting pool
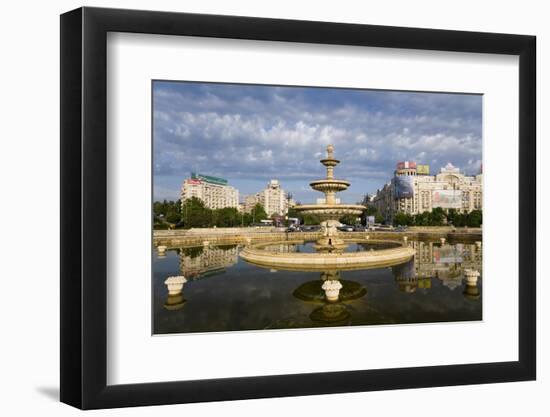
pixel 222 292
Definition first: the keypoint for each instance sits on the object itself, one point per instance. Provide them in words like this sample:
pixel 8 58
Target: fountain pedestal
pixel 330 239
pixel 330 210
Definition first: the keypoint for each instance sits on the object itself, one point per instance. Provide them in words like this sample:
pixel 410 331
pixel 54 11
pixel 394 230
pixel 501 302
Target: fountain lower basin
pixel 321 261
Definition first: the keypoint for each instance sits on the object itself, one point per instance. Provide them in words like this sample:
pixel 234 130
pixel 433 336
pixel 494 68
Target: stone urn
pixel 161 249
pixel 332 289
pixel 471 276
pixel 175 284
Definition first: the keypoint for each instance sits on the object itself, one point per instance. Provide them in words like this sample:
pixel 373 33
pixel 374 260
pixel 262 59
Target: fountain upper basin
pixel 329 185
pixel 331 211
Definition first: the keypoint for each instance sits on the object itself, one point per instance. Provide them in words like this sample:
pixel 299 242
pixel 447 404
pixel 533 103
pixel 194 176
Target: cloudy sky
pixel 250 134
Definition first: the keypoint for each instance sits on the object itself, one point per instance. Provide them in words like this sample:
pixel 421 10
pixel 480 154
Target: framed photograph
pixel 257 208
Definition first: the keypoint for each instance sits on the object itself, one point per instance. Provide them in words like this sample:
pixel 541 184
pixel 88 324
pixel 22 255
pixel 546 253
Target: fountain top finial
pixel 330 151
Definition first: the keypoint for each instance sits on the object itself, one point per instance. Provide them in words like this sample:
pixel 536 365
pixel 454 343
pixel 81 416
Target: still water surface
pixel 225 293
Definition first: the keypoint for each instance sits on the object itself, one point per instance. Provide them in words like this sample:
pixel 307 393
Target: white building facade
pixel 413 193
pixel 212 191
pixel 273 199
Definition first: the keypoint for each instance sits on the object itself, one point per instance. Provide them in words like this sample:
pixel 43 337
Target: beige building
pixel 212 191
pixel 273 199
pixel 210 261
pixel 413 193
pixel 249 202
pixel 435 261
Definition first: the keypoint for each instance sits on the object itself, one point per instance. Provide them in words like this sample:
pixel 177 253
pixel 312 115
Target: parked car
pixel 382 228
pixel 359 228
pixel 311 228
pixel 345 228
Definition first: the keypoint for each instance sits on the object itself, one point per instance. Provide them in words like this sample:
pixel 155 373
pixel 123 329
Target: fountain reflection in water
pixel 224 293
pixel 332 293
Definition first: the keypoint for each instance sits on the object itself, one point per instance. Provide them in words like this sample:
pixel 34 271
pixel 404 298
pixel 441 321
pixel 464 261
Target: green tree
pixel 456 219
pixel 292 213
pixel 422 219
pixel 307 219
pixel 403 219
pixel 310 219
pixel 173 217
pixel 370 211
pixel 226 247
pixel 195 214
pixel 227 217
pixel 258 213
pixel 160 225
pixel 193 252
pixel 166 212
pixel 437 217
pixel 452 214
pixel 159 208
pixel 475 218
pixel 247 219
pixel 348 219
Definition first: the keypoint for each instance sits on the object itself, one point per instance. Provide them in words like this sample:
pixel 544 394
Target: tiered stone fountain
pixel 330 211
pixel 330 247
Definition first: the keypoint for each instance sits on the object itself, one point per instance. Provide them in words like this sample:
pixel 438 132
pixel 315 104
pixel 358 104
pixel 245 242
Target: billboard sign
pixel 406 165
pixel 447 199
pixel 447 255
pixel 404 186
pixel 209 178
pixel 422 169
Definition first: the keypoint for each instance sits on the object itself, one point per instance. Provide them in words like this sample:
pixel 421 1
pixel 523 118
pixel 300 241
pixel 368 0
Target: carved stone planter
pixel 175 284
pixel 332 289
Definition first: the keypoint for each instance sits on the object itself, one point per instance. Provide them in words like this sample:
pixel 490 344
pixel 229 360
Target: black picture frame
pixel 84 207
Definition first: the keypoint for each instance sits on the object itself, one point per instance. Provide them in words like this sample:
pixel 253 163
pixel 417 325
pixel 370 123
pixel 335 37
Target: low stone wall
pixel 233 230
pixel 249 235
pixel 444 229
pixel 181 238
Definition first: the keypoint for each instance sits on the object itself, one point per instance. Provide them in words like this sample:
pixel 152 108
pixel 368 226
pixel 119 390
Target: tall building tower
pixel 214 192
pixel 273 199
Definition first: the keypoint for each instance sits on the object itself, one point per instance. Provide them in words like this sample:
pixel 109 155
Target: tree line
pixel 193 213
pixel 438 217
